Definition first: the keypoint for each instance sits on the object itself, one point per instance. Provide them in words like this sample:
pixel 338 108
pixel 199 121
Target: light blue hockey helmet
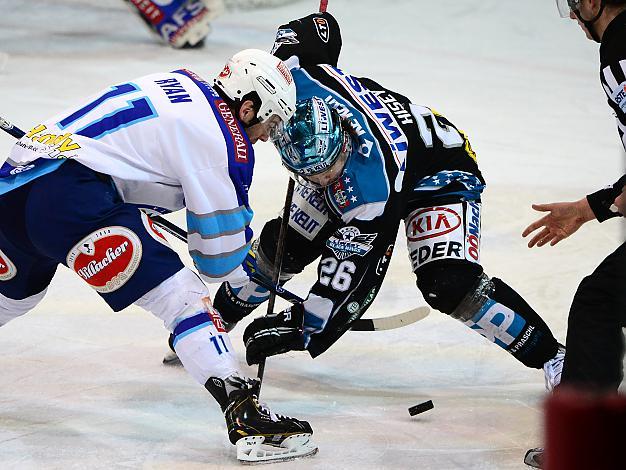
pixel 312 140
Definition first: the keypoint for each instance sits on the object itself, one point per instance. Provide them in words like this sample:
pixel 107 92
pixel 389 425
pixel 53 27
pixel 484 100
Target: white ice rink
pixel 84 388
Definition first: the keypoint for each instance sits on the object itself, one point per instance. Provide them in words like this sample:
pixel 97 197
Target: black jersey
pixel 405 156
pixel 613 78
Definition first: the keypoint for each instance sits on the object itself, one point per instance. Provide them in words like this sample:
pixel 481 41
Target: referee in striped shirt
pixel 595 343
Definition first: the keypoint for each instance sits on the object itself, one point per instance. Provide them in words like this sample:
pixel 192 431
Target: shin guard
pixel 497 312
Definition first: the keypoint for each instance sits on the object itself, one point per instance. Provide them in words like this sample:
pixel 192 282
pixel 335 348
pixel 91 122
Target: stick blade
pixel 392 322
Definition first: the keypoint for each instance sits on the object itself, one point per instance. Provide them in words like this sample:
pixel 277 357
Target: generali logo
pixel 107 258
pixel 7 268
pixel 241 147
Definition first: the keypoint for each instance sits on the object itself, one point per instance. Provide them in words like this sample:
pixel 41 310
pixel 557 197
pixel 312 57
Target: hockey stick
pixel 278 263
pixel 361 324
pixel 280 248
pixel 11 129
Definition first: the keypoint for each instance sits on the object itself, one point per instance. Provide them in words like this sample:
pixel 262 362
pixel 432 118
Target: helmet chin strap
pixel 235 105
pixel 589 23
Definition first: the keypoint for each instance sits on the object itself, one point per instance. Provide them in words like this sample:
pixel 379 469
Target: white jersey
pixel 168 141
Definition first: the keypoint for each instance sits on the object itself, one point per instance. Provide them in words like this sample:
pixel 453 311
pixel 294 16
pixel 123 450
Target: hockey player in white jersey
pixel 75 190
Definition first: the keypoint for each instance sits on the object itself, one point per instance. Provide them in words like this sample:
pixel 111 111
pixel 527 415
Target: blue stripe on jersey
pixel 219 223
pixel 116 90
pixel 191 324
pixel 217 266
pixel 27 172
pixel 240 152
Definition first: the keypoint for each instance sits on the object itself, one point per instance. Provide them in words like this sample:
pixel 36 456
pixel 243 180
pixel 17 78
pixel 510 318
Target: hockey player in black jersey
pixel 595 341
pixel 367 158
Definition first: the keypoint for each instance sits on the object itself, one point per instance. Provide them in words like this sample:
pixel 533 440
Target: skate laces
pixel 252 385
pixel 265 409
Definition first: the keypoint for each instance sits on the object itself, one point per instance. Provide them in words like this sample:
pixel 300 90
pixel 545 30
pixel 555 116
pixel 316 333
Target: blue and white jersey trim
pixel 219 223
pixel 220 265
pixel 190 325
pixel 472 184
pixel 12 177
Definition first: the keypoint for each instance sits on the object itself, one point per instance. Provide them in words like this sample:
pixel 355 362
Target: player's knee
pixel 445 285
pixel 176 298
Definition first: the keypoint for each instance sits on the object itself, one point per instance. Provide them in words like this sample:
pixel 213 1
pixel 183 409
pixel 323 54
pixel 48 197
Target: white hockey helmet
pixel 253 70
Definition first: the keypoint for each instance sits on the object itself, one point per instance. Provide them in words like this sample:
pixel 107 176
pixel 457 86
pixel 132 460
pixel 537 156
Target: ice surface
pixel 81 387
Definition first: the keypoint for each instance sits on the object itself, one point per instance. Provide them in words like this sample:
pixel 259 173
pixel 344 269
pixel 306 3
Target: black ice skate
pixel 534 457
pixel 260 435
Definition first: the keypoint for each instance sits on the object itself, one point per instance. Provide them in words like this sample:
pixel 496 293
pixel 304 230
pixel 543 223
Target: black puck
pixel 417 409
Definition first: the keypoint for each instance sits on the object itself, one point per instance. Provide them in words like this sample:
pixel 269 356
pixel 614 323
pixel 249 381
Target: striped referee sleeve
pixel 613 79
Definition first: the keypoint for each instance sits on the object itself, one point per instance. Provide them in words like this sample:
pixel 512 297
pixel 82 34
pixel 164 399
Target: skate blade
pixel 534 458
pixel 171 359
pixel 251 450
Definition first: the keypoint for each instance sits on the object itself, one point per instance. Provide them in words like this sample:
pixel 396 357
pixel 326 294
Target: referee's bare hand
pixel 561 221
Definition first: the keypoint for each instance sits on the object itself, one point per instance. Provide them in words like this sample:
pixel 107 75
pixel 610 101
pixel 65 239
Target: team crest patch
pixel 107 258
pixel 153 229
pixel 348 241
pixel 321 26
pixel 7 268
pixel 339 194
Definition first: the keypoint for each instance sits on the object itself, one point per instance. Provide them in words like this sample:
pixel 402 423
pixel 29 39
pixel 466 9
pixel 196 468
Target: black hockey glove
pixel 314 39
pixel 231 308
pixel 276 334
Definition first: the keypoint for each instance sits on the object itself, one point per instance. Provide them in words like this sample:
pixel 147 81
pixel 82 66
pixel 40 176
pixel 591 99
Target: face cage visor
pixel 331 174
pixel 565 7
pixel 304 152
pixel 324 176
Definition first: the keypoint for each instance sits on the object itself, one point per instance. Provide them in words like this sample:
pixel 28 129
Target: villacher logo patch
pixel 107 258
pixel 7 268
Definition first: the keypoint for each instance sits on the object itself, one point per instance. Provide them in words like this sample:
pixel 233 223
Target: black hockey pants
pixel 595 342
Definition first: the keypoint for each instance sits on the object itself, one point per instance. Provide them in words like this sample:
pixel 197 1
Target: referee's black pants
pixel 595 342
